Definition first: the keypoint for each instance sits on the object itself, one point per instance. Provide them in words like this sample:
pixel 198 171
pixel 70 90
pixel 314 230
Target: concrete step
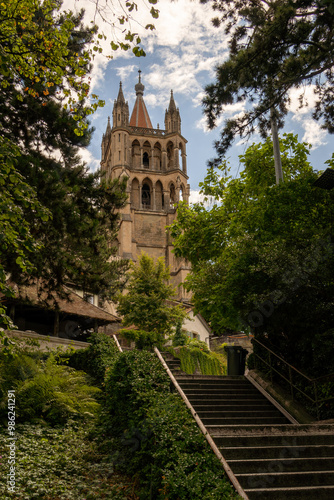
pixel 173 362
pixel 205 382
pixel 264 452
pixel 217 387
pixel 229 405
pixel 212 401
pixel 268 479
pixel 248 437
pixel 271 458
pixel 285 464
pixel 233 396
pixel 235 412
pixel 244 420
pixel 203 378
pixel 219 392
pixel 297 493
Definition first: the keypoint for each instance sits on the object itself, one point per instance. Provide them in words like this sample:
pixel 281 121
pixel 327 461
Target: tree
pixel 148 303
pixel 35 48
pixel 17 245
pixel 273 47
pixel 75 242
pixel 59 220
pixel 262 258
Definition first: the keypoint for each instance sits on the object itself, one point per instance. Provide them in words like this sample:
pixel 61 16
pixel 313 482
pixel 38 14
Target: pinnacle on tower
pixel 172 116
pixel 108 131
pixel 120 97
pixel 172 105
pixel 121 110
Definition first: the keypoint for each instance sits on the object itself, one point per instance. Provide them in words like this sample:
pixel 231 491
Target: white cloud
pixel 313 133
pixel 92 163
pixel 197 197
pixel 234 110
pixel 308 96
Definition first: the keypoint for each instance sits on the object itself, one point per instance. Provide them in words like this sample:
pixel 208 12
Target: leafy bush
pixel 179 338
pixel 154 437
pixel 44 389
pixel 197 356
pixel 142 338
pixel 97 357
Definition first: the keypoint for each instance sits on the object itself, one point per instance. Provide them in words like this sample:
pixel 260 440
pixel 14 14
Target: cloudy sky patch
pixel 182 54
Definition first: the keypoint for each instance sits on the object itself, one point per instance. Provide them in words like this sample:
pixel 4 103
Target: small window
pixel 146 196
pixel 119 137
pixel 146 161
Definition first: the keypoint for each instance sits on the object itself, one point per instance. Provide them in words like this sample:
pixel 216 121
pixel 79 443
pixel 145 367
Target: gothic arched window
pixel 146 161
pixel 172 195
pixel 146 196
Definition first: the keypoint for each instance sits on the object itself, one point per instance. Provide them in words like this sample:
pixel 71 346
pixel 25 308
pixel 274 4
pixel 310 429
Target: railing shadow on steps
pixel 302 387
pixel 202 427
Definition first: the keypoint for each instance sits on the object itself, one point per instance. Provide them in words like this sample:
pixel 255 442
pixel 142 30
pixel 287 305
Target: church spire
pixel 172 116
pixel 121 110
pixel 140 116
pixel 172 105
pixel 120 97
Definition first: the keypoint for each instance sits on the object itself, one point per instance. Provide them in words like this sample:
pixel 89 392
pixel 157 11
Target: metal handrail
pixel 291 369
pixel 204 430
pixel 117 343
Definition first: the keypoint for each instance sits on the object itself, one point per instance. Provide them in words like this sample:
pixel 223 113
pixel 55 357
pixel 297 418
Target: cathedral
pixel 155 162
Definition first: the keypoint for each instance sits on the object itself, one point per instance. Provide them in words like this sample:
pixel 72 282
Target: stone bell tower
pixel 154 160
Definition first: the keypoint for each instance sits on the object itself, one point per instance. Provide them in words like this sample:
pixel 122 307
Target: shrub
pixel 156 438
pixel 142 338
pixel 44 389
pixel 179 337
pixel 196 356
pixel 97 357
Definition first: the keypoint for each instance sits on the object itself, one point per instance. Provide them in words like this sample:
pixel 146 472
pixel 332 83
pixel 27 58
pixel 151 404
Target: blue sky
pixel 182 54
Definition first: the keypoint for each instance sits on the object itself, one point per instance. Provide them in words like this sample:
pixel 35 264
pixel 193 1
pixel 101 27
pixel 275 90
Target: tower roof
pixel 140 116
pixel 120 97
pixel 172 105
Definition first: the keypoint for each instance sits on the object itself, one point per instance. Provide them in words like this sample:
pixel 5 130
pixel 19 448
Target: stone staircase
pixel 271 457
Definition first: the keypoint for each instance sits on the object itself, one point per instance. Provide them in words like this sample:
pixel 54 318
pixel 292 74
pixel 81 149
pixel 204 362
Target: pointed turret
pixel 140 116
pixel 172 116
pixel 120 97
pixel 121 110
pixel 172 105
pixel 108 129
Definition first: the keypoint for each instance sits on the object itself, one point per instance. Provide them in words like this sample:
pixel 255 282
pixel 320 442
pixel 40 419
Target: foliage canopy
pixel 148 303
pixel 58 218
pixel 262 258
pixel 274 47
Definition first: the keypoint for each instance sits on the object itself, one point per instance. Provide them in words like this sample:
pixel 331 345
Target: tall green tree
pixel 17 244
pixel 273 47
pixel 58 219
pixel 262 258
pixel 75 242
pixel 148 302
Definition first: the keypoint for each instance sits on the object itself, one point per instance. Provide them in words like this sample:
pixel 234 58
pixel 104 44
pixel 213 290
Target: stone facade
pixel 155 163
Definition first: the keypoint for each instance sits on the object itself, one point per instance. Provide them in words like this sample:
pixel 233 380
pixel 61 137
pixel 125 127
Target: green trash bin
pixel 236 359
